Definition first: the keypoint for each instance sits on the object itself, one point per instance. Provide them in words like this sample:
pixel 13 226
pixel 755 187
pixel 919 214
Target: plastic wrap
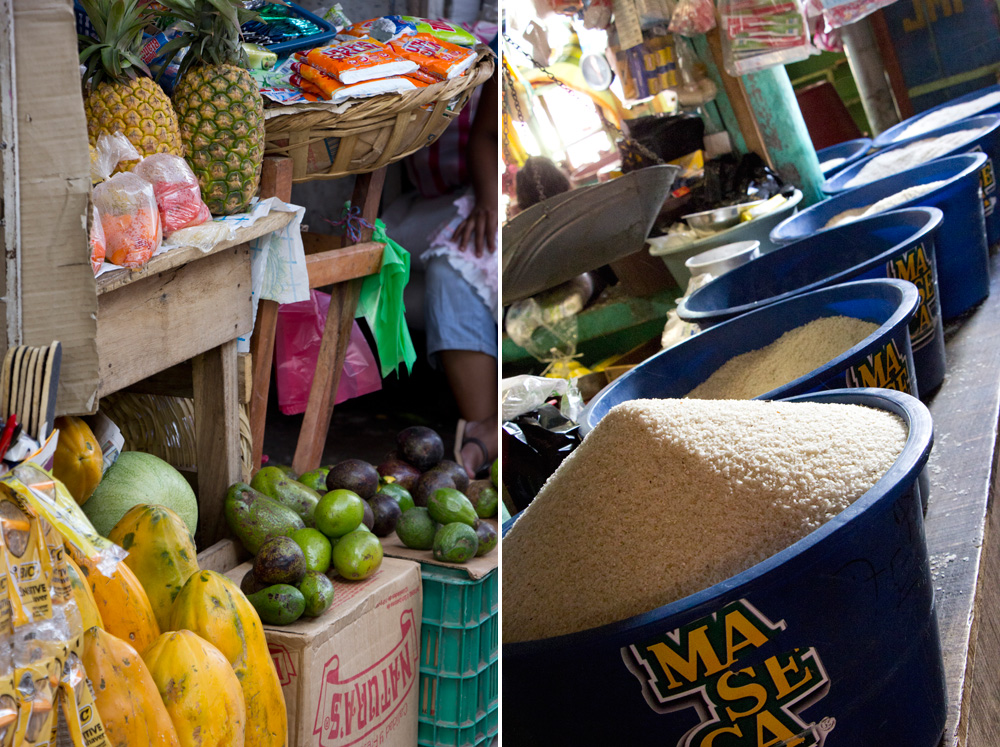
pixel 522 394
pixel 693 17
pixel 534 445
pixel 757 34
pixel 545 324
pixel 130 218
pixel 176 190
pixel 98 245
pixel 111 152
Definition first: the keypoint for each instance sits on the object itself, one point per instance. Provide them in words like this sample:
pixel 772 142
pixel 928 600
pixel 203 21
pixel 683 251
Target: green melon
pixel 137 478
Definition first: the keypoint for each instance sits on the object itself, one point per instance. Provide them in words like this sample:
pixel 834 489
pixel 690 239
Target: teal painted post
pixel 784 132
pixel 723 107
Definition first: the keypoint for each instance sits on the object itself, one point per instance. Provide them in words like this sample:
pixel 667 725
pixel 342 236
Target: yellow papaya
pixel 83 595
pixel 78 462
pixel 125 694
pixel 199 688
pixel 122 604
pixel 214 607
pixel 161 553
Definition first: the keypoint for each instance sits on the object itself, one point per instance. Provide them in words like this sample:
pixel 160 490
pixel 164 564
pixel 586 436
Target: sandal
pixel 461 441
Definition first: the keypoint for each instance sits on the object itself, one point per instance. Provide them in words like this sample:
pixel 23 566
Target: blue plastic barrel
pixel 890 136
pixel 988 143
pixel 961 250
pixel 849 150
pixel 836 635
pixel 883 359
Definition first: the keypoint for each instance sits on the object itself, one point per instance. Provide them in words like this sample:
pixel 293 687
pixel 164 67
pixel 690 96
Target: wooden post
pixel 275 181
pixel 336 335
pixel 216 420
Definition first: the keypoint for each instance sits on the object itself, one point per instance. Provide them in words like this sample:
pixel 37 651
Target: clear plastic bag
pixel 130 218
pixel 693 17
pixel 110 152
pixel 98 244
pixel 176 189
pixel 757 34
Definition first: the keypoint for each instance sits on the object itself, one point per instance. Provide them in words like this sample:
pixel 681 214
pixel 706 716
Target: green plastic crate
pixel 453 600
pixel 459 658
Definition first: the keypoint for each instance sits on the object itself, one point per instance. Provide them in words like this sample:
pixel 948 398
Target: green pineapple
pixel 121 96
pixel 218 103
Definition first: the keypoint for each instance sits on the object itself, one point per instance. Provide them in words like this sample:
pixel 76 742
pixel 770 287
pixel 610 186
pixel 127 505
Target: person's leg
pixel 462 339
pixel 472 377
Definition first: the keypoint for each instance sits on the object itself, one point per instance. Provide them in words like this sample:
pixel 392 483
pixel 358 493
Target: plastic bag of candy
pixel 176 190
pixel 757 34
pixel 693 17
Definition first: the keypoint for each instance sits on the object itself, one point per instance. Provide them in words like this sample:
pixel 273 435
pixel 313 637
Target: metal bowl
pixel 715 219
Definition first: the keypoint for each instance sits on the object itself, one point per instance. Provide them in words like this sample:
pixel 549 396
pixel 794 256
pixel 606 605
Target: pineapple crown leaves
pixel 210 32
pixel 114 55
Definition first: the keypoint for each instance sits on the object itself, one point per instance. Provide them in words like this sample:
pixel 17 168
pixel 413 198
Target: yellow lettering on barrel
pixel 709 739
pixel 780 679
pixel 873 375
pixel 699 648
pixel 766 721
pixel 738 692
pixel 737 622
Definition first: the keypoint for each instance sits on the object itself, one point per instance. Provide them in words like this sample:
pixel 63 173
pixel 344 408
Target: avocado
pixel 487 537
pixel 355 475
pixel 301 499
pixel 484 498
pixel 317 589
pixel 254 518
pixel 249 583
pixel 280 604
pixel 449 505
pixel 368 518
pixel 402 473
pixel 416 529
pixel 279 561
pixel 458 474
pixel 400 494
pixel 420 446
pixel 315 479
pixel 428 483
pixel 455 542
pixel 387 513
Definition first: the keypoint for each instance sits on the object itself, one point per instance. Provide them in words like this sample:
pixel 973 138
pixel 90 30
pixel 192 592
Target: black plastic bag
pixel 534 444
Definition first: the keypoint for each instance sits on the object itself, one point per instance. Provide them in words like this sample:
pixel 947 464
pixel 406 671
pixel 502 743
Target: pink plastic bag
pixel 176 189
pixel 297 339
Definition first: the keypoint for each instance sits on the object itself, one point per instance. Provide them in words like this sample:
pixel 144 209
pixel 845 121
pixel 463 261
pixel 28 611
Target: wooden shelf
pixel 961 525
pixel 181 255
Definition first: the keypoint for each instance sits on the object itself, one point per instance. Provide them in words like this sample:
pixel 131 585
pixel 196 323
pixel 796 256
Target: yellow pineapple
pixel 218 104
pixel 121 97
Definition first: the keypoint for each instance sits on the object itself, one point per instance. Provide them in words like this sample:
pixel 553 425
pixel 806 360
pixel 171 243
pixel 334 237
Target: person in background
pixel 539 179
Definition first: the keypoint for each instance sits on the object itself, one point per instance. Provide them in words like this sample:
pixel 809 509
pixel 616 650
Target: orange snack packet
pixel 321 83
pixel 439 58
pixel 420 79
pixel 297 80
pixel 358 60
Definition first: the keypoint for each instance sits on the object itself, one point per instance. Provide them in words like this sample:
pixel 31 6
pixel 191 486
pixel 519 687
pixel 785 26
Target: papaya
pixel 78 461
pixel 83 595
pixel 123 604
pixel 161 553
pixel 199 689
pixel 214 608
pixel 125 693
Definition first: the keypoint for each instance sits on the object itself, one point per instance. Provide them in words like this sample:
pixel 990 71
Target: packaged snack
pixel 421 79
pixel 358 60
pixel 384 29
pixel 443 30
pixel 324 84
pixel 439 58
pixel 297 80
pixel 260 57
pixel 339 92
pixel 49 498
pixel 23 554
pixel 176 189
pixel 337 17
pixel 130 219
pixel 97 243
pixel 757 34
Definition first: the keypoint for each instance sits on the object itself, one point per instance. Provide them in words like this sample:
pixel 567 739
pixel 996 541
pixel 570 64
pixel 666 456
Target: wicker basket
pixel 164 426
pixel 371 133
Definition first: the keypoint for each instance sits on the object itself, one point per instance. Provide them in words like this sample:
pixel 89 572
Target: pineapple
pixel 121 96
pixel 218 103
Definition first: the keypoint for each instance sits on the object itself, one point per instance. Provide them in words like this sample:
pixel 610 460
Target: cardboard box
pixel 350 676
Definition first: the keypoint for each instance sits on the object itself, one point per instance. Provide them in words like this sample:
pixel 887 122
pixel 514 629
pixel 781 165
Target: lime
pixel 357 555
pixel 416 528
pixel 339 512
pixel 315 546
pixel 399 493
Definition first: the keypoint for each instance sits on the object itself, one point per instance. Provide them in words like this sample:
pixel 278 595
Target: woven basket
pixel 371 133
pixel 164 426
